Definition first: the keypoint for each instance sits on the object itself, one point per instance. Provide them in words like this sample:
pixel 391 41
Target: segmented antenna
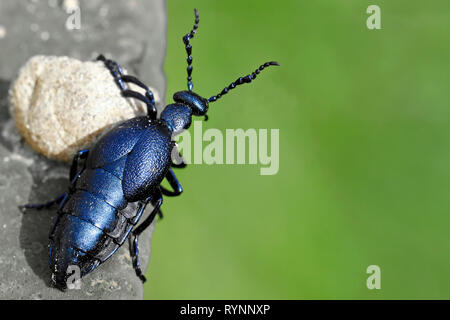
pixel 188 48
pixel 241 80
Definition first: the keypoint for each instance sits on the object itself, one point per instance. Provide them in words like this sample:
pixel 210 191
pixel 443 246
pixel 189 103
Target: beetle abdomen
pixel 104 185
pixel 92 224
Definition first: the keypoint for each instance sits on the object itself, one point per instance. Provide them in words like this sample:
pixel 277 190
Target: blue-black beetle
pixel 111 184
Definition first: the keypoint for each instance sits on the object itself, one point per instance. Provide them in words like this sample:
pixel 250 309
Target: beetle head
pixel 178 116
pixel 198 104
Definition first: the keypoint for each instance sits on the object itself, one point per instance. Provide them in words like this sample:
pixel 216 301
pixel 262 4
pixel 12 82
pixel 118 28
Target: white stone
pixel 60 104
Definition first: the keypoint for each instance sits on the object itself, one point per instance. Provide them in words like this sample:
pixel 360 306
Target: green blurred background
pixel 364 173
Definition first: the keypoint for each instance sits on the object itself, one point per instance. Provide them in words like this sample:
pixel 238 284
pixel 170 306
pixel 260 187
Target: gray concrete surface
pixel 133 33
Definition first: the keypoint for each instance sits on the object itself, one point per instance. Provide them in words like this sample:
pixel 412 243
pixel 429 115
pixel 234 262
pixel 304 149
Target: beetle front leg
pixel 120 78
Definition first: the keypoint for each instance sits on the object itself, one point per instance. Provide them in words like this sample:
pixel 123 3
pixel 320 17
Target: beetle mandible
pixel 112 183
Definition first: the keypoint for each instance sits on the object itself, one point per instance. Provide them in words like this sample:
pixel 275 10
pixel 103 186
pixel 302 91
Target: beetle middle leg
pixel 134 245
pixel 121 79
pixel 176 186
pixel 174 183
pixel 74 172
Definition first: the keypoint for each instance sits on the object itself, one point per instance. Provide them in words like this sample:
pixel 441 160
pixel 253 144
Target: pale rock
pixel 60 104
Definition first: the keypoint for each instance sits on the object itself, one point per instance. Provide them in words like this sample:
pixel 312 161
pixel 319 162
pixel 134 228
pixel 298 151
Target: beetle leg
pixel 120 78
pixel 115 69
pixel 80 155
pixel 151 109
pixel 74 173
pixel 174 183
pixel 134 245
pixel 160 214
pixel 40 206
pixel 179 166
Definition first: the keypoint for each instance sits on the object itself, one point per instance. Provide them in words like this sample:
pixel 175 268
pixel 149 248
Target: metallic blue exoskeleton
pixel 112 183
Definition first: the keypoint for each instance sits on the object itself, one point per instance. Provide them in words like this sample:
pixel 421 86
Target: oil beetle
pixel 112 183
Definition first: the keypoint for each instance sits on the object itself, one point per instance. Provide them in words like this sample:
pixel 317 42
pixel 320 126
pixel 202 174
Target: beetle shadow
pixel 36 225
pixel 4 87
pixel 49 180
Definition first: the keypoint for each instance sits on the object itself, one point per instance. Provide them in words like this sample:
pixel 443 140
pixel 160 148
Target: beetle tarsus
pixel 134 245
pixel 117 73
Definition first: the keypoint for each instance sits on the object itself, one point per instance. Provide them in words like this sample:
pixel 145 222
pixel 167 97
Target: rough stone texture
pixel 131 32
pixel 60 104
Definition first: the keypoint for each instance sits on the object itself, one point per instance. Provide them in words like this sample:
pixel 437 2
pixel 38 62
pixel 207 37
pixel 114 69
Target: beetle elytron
pixel 111 184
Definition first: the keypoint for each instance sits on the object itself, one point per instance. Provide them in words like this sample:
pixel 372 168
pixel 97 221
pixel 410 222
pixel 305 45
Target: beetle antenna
pixel 241 80
pixel 188 48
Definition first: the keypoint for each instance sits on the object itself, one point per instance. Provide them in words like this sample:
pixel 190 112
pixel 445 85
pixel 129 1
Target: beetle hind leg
pixel 134 243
